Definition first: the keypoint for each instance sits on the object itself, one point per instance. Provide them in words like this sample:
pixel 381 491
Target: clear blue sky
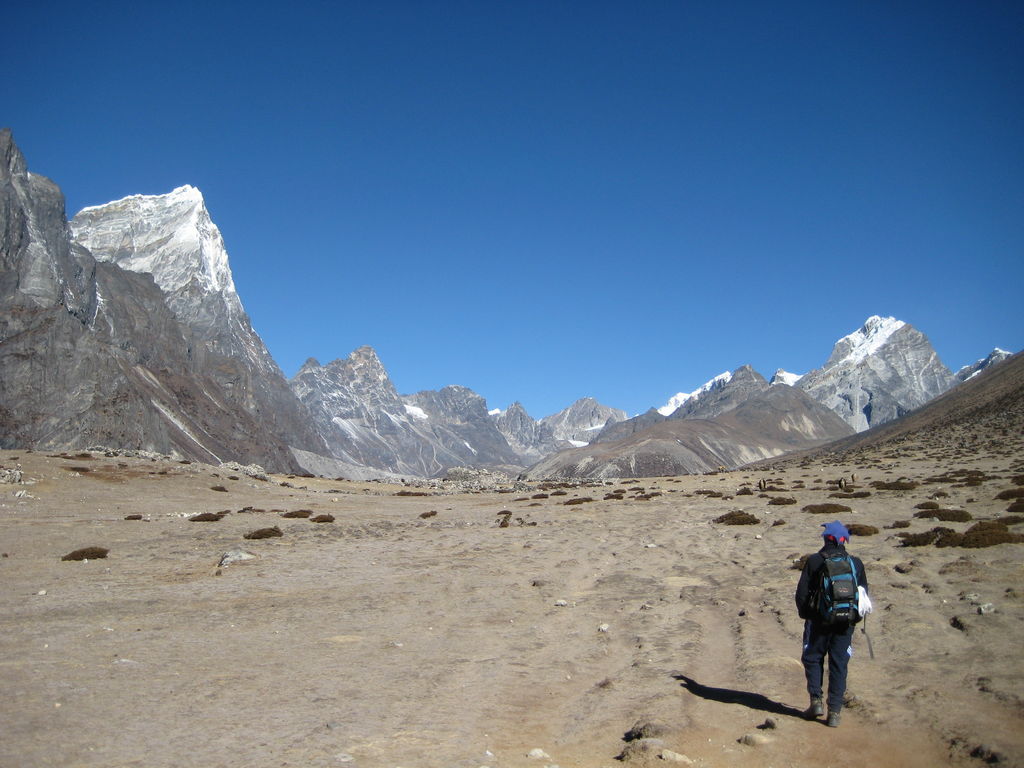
pixel 548 200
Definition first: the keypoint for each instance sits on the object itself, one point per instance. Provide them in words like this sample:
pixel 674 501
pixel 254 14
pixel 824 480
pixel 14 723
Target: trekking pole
pixel 864 629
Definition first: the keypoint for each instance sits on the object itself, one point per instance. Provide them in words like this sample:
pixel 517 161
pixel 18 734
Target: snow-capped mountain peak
pixel 995 357
pixel 680 398
pixel 169 236
pixel 865 341
pixel 785 377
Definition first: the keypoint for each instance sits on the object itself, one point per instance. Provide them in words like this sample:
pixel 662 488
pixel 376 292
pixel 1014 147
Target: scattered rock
pixel 255 471
pixel 235 556
pixel 674 757
pixel 538 754
pixel 754 739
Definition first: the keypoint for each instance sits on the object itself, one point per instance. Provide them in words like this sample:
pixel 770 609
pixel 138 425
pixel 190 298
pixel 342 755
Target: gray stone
pixel 235 556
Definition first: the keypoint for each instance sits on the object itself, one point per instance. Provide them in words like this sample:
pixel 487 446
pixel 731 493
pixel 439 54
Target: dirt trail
pixel 387 639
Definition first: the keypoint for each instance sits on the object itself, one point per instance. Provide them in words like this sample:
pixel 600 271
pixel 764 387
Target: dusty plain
pixel 396 637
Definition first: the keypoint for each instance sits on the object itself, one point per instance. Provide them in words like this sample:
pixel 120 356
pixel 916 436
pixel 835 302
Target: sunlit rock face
pixel 878 373
pixel 145 347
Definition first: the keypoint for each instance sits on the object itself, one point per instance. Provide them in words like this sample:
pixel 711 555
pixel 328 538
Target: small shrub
pixel 218 488
pixel 1012 493
pixel 946 515
pixel 325 518
pixel 894 485
pixel 298 513
pixel 780 501
pixel 899 524
pixel 745 492
pixel 987 525
pixel 849 495
pixel 1012 519
pixel 826 509
pixel 737 518
pixel 918 539
pixel 425 515
pixel 927 505
pixel 87 553
pixel 264 533
pixel 206 517
pixel 1017 506
pixel 412 493
pixel 990 538
pixel 580 500
pixel 859 529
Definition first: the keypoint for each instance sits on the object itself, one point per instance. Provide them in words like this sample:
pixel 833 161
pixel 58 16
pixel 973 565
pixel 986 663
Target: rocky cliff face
pixel 531 440
pixel 363 419
pixel 95 354
pixel 878 373
pixel 722 394
pixel 581 422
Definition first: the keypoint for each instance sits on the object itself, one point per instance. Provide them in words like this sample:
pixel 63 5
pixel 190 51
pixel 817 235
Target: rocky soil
pixel 588 626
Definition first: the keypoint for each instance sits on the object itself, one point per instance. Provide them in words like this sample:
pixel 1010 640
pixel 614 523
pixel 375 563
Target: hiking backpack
pixel 837 591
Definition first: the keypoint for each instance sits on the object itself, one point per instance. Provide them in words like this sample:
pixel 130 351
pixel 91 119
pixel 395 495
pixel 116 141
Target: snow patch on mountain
pixel 171 237
pixel 682 397
pixel 865 341
pixel 785 377
pixel 416 412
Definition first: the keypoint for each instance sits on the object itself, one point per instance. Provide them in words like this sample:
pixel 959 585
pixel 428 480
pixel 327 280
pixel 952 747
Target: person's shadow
pixel 743 698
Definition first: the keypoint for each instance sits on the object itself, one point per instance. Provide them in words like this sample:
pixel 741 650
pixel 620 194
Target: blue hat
pixel 836 530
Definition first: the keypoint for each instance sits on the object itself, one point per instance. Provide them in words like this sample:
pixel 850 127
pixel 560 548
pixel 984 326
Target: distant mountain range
pixel 123 328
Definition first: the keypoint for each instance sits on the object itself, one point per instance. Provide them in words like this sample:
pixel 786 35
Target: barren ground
pixel 387 639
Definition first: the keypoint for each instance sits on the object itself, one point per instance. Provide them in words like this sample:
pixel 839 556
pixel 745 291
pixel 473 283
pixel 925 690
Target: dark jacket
pixel 809 577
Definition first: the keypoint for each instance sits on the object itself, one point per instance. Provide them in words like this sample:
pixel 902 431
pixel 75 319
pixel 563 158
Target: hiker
pixel 829 601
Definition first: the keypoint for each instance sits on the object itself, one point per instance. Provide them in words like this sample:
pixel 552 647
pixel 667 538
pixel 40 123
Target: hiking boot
pixel 833 718
pixel 817 708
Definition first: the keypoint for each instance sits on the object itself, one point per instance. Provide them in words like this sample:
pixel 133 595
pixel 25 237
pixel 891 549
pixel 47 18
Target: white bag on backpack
pixel 864 606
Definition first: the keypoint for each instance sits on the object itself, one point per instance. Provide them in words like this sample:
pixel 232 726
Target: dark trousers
pixel 837 644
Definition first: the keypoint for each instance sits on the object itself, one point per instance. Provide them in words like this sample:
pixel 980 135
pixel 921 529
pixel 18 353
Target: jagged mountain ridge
pixel 994 357
pixel 778 420
pixel 531 440
pixel 184 373
pixel 581 422
pixel 364 421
